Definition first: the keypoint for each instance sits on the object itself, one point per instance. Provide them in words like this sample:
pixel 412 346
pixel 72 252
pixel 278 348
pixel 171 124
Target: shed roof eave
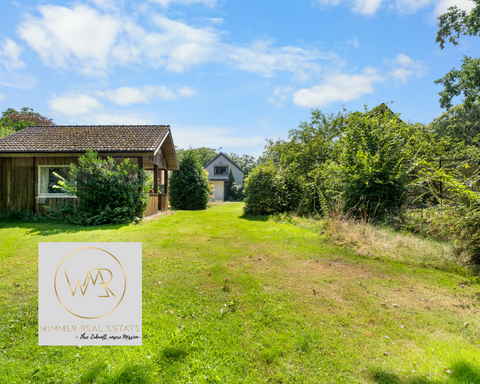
pixel 72 153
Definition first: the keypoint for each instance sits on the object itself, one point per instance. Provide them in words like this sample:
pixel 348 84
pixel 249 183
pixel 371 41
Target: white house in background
pixel 218 170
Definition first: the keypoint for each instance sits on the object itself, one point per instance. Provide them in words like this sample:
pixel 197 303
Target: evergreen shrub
pixel 189 187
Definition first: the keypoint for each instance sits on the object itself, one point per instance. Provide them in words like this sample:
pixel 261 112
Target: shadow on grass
pixel 92 373
pixel 461 373
pixel 128 374
pixel 254 217
pixel 54 227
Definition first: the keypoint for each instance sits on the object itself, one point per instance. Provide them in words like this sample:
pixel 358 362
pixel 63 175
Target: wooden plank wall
pixel 19 181
pixel 152 205
pixel 19 184
pixel 158 159
pixel 16 183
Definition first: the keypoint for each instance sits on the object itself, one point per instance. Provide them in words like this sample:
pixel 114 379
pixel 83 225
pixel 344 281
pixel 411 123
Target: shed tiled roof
pixel 101 138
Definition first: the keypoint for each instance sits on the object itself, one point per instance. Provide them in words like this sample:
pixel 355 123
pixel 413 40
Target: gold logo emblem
pixel 90 283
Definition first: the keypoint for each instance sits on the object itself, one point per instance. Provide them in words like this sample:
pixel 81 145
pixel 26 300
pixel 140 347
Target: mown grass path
pixel 228 299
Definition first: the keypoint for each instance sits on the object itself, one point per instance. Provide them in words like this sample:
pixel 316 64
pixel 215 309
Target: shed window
pixel 47 180
pixel 221 170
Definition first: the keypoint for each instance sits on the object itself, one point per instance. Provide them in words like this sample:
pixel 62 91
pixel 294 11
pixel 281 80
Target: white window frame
pixel 51 195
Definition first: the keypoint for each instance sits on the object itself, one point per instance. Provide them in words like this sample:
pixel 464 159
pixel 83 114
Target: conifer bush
pixel 189 187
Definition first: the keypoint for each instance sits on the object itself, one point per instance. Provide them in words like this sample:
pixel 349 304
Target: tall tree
pixel 466 81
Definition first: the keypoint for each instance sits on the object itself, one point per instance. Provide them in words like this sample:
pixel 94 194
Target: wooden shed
pixel 29 157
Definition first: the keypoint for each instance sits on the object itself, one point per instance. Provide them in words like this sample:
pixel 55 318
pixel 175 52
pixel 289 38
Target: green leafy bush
pixel 189 187
pixel 109 192
pixel 457 215
pixel 378 150
pixel 236 193
pixel 271 190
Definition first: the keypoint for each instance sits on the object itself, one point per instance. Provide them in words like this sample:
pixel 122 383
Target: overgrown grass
pixel 229 299
pixel 382 241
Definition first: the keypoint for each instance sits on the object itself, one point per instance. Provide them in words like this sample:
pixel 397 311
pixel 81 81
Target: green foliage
pixel 204 155
pixel 465 81
pixel 458 123
pixel 236 193
pixel 377 154
pixel 246 162
pixel 13 120
pixel 269 189
pixel 109 192
pixel 310 145
pixel 231 183
pixel 458 22
pixel 5 129
pixel 189 188
pixel 458 214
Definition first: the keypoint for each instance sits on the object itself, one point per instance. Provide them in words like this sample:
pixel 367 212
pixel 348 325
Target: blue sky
pixel 223 73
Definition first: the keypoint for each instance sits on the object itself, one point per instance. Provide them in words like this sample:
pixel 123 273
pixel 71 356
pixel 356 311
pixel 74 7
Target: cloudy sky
pixel 223 73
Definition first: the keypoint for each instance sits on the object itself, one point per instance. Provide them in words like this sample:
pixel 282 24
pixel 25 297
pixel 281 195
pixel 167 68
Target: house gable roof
pixel 224 155
pixel 143 139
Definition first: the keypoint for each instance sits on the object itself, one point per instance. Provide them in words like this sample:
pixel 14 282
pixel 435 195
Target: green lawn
pixel 228 299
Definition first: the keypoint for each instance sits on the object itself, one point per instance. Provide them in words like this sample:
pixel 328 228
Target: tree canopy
pixel 13 120
pixel 204 154
pixel 466 81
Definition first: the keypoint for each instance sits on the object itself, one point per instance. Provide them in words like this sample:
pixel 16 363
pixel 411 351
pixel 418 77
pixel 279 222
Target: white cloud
pixel 443 5
pixel 16 80
pixel 94 42
pixel 74 104
pixel 367 7
pixel 187 91
pixel 80 36
pixel 280 95
pixel 338 87
pixel 213 137
pixel 2 96
pixel 404 68
pixel 261 57
pixel 132 95
pixel 364 7
pixel 354 42
pixel 166 3
pixel 10 55
pixel 370 7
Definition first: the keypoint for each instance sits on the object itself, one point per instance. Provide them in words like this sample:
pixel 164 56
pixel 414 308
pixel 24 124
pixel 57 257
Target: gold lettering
pixel 89 278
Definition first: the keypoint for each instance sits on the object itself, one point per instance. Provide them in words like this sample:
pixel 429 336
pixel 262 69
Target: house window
pixel 221 171
pixel 47 180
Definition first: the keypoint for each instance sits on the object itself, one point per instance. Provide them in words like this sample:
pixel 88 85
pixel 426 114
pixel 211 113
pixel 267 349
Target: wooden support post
pixel 140 161
pixel 155 178
pixel 35 183
pixel 166 182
